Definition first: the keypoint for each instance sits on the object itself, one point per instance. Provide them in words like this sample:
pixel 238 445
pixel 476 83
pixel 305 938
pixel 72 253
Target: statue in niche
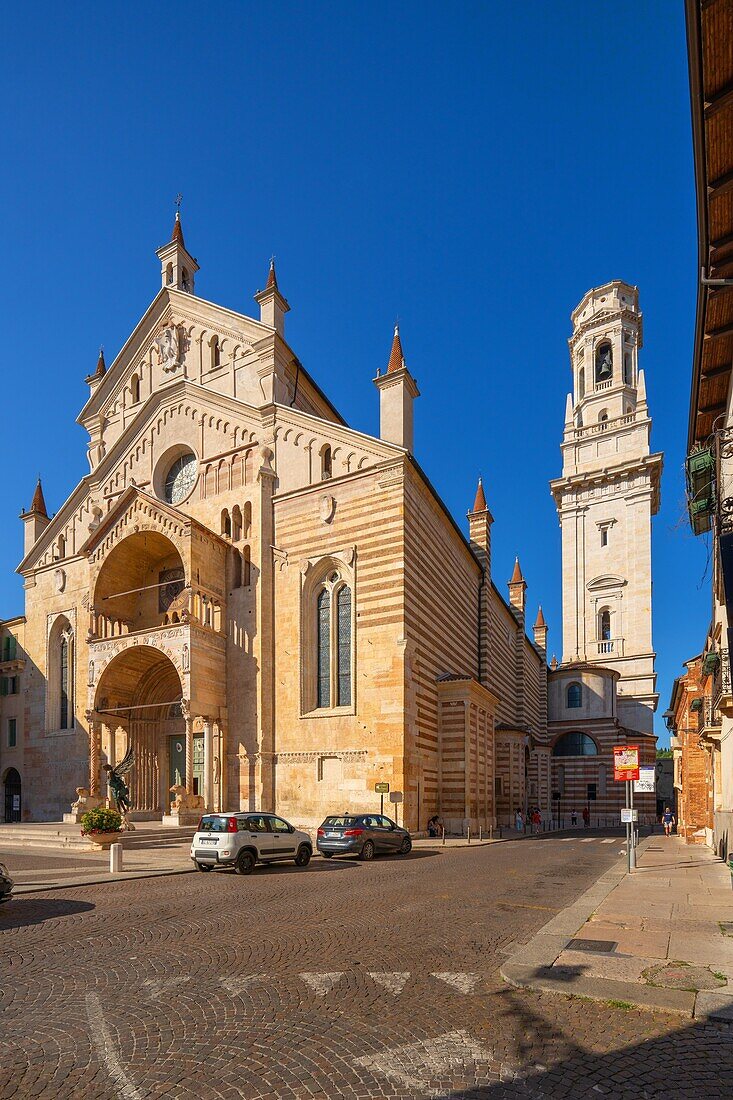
pixel 167 344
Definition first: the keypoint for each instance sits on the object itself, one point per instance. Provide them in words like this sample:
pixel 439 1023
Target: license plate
pixel 336 835
pixel 205 841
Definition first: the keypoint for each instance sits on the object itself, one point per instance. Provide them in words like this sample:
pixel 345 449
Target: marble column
pixel 95 733
pixel 188 718
pixel 208 764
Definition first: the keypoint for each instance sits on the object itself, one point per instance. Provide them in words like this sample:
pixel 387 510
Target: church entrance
pixel 177 762
pixel 12 795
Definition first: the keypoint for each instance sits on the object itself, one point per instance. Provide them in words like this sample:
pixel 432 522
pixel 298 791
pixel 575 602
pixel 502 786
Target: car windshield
pixel 338 822
pixel 212 823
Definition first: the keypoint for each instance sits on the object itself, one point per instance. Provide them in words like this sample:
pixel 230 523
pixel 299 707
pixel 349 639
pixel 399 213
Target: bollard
pixel 481 832
pixel 444 838
pixel 491 834
pixel 468 833
pixel 115 858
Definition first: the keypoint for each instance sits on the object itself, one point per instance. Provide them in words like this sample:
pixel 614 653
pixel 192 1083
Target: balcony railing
pixel 721 678
pixel 194 604
pixel 709 718
pixel 602 386
pixel 613 646
pixel 605 426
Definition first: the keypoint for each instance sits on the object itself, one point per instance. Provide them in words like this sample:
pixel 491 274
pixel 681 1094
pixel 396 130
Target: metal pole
pixel 381 803
pixel 633 839
pixel 628 832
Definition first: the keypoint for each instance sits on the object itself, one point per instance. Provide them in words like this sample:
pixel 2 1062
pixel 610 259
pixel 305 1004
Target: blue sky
pixel 472 168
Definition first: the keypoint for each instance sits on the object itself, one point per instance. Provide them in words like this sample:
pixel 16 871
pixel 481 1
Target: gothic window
pixel 604 625
pixel 574 744
pixel 64 680
pixel 135 389
pixel 324 648
pixel 574 696
pixel 61 552
pixel 226 523
pixel 326 462
pixel 236 523
pixel 604 362
pixel 328 638
pixel 215 353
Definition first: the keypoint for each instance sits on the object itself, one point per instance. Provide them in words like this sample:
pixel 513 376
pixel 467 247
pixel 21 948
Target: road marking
pixel 102 1040
pixel 587 839
pixel 609 840
pixel 415 1065
pixel 321 984
pixel 394 981
pixel 236 986
pixel 464 983
pixel 158 988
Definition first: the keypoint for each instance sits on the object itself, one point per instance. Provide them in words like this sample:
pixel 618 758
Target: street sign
pixel 381 788
pixel 396 796
pixel 625 763
pixel 646 783
pixel 628 816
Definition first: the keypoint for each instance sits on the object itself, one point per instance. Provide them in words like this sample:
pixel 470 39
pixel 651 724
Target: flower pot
pixel 100 842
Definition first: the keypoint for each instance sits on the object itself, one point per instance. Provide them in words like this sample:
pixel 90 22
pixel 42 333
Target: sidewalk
pixel 661 938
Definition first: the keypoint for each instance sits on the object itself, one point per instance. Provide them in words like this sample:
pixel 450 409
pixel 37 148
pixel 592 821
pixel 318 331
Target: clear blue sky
pixel 471 167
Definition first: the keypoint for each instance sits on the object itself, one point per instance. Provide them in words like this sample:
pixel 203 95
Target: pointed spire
pixel 177 234
pixel 517 574
pixel 540 620
pixel 553 662
pixel 101 365
pixel 272 277
pixel 569 409
pixel 396 358
pixel 479 504
pixel 38 504
pixel 641 388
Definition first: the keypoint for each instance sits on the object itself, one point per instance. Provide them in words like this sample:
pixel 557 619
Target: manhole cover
pixel 604 946
pixel 678 976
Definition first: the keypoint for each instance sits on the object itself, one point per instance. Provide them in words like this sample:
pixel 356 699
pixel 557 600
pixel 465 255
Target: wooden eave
pixel 710 59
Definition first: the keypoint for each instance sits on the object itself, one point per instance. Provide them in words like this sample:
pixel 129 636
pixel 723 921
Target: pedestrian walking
pixel 574 818
pixel 668 821
pixel 586 817
pixel 518 821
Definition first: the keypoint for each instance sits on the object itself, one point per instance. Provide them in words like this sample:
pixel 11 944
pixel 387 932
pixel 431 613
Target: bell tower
pixel 607 494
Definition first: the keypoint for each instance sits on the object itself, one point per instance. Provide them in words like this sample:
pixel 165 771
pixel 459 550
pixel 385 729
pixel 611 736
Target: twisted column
pixel 186 711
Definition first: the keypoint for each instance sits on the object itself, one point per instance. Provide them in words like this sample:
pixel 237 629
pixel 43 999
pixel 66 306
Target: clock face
pixel 181 478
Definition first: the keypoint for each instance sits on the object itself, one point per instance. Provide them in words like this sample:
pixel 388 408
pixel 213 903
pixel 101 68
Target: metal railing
pixel 721 678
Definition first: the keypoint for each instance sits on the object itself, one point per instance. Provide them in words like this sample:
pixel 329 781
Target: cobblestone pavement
pixel 341 980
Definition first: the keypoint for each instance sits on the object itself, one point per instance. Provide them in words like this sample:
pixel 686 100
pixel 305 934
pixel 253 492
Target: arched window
pixel 627 369
pixel 581 383
pixel 326 462
pixel 574 696
pixel 574 743
pixel 604 362
pixel 603 416
pixel 64 680
pixel 61 548
pixel 236 523
pixel 247 519
pixel 135 389
pixel 331 674
pixel 215 352
pixel 184 279
pixel 604 625
pixel 323 611
pixel 226 523
pixel 169 274
pixel 60 676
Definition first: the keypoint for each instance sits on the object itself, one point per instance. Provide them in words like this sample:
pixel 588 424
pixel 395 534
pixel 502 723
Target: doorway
pixel 12 795
pixel 177 762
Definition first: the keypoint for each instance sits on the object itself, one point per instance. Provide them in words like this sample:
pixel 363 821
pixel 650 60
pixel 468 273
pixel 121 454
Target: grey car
pixel 365 835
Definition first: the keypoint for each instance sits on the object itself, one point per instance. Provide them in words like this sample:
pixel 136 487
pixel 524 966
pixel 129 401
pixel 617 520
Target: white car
pixel 241 840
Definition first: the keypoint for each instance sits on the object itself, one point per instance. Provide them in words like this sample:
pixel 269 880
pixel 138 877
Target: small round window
pixel 181 478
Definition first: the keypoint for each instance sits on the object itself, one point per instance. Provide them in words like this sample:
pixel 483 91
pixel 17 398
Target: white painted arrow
pixel 238 985
pixel 464 983
pixel 394 981
pixel 321 984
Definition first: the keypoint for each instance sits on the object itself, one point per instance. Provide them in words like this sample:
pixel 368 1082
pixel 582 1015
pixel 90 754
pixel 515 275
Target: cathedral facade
pixel 277 611
pixel 274 609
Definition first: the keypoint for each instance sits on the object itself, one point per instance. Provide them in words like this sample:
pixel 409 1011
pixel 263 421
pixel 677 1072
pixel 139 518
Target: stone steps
pixel 69 837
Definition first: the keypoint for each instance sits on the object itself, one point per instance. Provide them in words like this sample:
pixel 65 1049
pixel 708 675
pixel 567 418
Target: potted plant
pixel 101 826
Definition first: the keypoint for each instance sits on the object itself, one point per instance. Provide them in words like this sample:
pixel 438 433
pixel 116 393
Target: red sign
pixel 625 762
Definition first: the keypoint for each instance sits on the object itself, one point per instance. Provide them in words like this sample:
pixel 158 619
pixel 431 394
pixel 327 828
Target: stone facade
pixel 604 691
pixel 272 608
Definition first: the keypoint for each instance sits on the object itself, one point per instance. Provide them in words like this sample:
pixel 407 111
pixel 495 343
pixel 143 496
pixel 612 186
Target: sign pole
pixel 381 804
pixel 633 830
pixel 628 835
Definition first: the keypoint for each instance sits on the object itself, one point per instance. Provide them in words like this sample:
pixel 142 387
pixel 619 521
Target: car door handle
pixel 253 836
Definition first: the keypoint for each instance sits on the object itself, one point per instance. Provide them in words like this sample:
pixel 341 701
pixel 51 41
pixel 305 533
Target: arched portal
pixel 138 704
pixel 141 585
pixel 12 795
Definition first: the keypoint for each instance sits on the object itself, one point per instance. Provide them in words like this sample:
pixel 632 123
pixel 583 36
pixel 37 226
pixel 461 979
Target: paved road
pixel 343 980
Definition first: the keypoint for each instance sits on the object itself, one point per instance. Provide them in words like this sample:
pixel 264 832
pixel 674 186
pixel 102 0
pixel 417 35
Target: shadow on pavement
pixel 693 1060
pixel 22 912
pixel 319 866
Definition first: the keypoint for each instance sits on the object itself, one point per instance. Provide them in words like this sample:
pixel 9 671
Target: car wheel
pixel 303 857
pixel 203 866
pixel 245 863
pixel 367 851
pixel 327 855
pixel 406 846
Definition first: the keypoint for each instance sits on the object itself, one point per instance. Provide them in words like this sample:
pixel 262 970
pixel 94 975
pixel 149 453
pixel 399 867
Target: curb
pixel 531 967
pixel 98 880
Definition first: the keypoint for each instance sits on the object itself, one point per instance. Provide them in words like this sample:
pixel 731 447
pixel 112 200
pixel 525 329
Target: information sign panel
pixel 628 815
pixel 646 783
pixel 625 763
pixel 396 796
pixel 381 788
